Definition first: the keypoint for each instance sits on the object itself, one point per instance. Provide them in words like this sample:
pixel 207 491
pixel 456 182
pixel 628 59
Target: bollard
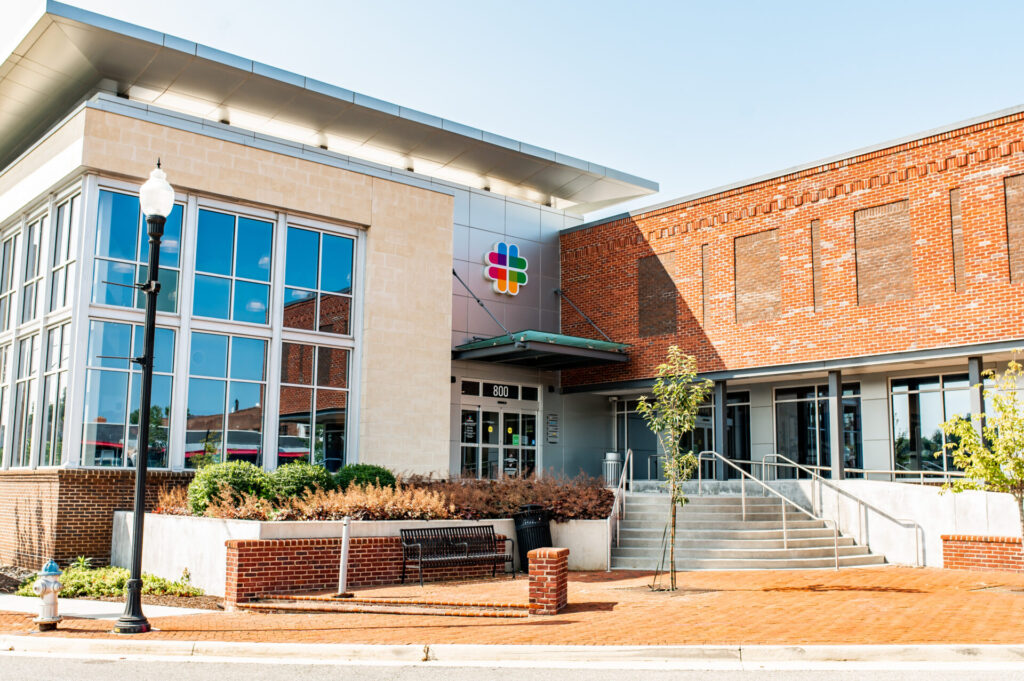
pixel 48 586
pixel 343 568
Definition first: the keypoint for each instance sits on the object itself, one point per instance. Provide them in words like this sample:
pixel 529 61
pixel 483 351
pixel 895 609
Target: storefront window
pixel 802 427
pixel 112 384
pixel 313 406
pixel 233 258
pixel 318 281
pixel 5 375
pixel 122 253
pixel 227 379
pixel 31 275
pixel 7 266
pixel 919 406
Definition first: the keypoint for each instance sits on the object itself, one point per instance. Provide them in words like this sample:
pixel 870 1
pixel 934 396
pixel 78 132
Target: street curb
pixel 493 655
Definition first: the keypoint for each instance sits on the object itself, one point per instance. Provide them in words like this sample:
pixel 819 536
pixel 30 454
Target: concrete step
pixel 685 543
pixel 694 515
pixel 647 532
pixel 709 554
pixel 752 563
pixel 686 525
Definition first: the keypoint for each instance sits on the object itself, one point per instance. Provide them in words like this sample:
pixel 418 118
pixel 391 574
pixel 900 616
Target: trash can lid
pixel 531 507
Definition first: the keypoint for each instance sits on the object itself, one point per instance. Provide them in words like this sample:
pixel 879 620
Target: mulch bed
pixel 200 602
pixel 11 578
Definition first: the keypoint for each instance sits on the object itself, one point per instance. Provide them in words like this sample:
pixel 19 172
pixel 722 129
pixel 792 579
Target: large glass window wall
pixel 112 384
pixel 318 281
pixel 313 405
pixel 24 401
pixel 227 382
pixel 122 254
pixel 233 264
pixel 919 406
pixel 62 265
pixel 55 389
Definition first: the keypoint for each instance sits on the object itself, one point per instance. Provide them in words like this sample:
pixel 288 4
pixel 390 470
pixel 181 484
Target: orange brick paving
pixel 855 606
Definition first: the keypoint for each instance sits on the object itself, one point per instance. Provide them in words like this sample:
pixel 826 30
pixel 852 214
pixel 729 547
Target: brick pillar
pixel 549 580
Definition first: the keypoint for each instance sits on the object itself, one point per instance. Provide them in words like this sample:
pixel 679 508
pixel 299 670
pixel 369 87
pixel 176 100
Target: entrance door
pixel 498 443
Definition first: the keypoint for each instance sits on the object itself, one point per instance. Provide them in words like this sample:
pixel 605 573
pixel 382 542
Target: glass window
pixel 313 406
pixel 5 352
pixel 226 387
pixel 7 266
pixel 24 401
pixel 318 279
pixel 919 407
pixel 113 383
pixel 55 388
pixel 122 252
pixel 470 388
pixel 803 428
pixel 233 259
pixel 31 276
pixel 62 275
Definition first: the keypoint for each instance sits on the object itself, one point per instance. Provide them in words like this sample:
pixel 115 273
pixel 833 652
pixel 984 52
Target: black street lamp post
pixel 157 199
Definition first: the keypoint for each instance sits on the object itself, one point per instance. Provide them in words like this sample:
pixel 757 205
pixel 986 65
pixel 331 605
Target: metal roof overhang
pixel 539 350
pixel 69 53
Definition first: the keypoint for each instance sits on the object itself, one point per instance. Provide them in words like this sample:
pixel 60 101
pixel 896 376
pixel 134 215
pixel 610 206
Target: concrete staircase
pixel 711 534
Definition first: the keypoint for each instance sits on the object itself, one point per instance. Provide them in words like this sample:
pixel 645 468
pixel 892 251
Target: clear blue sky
pixel 692 95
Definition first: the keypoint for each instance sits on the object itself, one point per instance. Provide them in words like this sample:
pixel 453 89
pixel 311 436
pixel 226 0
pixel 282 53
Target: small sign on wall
pixel 505 268
pixel 551 426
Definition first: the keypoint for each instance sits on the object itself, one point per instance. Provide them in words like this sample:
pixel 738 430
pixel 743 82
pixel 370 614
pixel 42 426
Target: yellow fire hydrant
pixel 48 586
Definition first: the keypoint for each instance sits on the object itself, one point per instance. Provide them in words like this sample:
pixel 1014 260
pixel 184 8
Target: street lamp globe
pixel 156 195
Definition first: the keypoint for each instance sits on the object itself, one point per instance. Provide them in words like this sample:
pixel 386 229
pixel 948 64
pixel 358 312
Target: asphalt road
pixel 15 667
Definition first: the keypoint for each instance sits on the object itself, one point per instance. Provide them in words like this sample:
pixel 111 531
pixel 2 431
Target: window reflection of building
pixel 313 402
pixel 919 406
pixel 802 427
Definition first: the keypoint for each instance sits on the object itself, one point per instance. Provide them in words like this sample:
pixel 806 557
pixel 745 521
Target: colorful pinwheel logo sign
pixel 505 268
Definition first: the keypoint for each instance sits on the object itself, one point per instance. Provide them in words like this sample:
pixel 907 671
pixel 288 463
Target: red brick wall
pixel 66 513
pixel 549 580
pixel 967 552
pixel 599 263
pixel 256 567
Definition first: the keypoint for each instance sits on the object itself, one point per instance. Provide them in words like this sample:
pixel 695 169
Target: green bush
pixel 363 474
pixel 293 479
pixel 233 477
pixel 80 582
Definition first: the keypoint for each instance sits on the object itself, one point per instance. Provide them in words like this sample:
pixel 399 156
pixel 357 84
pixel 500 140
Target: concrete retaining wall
pixel 173 543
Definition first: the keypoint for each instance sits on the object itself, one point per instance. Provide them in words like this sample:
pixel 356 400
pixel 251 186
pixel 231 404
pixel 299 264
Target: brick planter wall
pixel 969 552
pixel 63 513
pixel 549 580
pixel 256 567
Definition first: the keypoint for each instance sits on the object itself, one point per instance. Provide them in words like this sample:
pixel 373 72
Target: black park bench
pixel 450 546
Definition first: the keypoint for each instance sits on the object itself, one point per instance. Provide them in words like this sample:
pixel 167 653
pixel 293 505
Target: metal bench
pixel 449 546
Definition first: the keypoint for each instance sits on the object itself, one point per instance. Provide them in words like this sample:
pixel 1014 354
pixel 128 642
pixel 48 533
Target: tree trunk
pixel 672 536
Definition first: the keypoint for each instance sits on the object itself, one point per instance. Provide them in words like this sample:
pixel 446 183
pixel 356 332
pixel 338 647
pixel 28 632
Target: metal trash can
pixel 612 469
pixel 533 531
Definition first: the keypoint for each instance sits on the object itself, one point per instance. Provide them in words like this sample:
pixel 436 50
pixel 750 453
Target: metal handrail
pixel 945 475
pixel 709 455
pixel 619 505
pixel 906 523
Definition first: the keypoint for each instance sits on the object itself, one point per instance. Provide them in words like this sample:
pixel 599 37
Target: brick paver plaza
pixel 853 606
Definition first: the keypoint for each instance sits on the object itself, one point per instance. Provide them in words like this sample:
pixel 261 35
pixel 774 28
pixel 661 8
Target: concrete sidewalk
pixel 98 610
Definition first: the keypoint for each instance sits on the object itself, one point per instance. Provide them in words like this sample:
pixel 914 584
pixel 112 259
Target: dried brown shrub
pixel 236 505
pixel 579 498
pixel 172 500
pixel 367 502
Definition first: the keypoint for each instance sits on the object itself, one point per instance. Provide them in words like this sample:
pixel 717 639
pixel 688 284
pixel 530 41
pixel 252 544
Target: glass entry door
pixel 498 443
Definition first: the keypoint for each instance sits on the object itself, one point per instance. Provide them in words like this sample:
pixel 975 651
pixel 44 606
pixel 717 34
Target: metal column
pixel 974 369
pixel 718 395
pixel 835 424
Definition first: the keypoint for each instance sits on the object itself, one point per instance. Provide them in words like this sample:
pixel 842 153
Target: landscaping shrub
pixel 172 500
pixel 579 498
pixel 363 474
pixel 368 502
pixel 84 582
pixel 228 481
pixel 293 479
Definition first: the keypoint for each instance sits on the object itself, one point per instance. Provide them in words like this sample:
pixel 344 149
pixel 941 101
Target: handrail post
pixel 785 534
pixel 835 539
pixel 743 496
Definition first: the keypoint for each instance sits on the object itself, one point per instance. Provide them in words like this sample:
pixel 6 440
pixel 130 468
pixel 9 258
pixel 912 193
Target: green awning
pixel 541 350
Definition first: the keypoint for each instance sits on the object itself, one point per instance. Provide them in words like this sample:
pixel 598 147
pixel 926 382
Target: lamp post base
pixel 132 621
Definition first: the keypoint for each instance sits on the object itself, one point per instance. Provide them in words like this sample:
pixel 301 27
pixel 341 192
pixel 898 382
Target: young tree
pixel 991 451
pixel 678 396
